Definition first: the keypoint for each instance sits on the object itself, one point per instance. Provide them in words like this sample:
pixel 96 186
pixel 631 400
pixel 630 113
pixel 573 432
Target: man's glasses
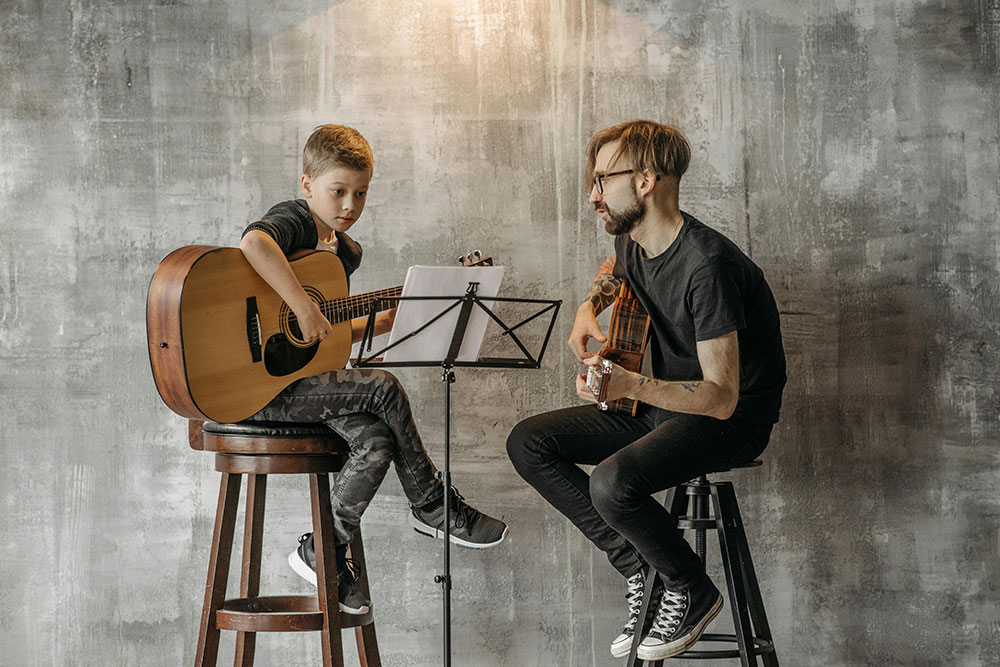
pixel 600 178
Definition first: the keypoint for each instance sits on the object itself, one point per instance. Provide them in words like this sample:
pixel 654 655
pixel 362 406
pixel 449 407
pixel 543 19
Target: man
pixel 718 371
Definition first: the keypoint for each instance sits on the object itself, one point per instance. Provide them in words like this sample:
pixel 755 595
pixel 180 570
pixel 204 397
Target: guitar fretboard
pixel 347 308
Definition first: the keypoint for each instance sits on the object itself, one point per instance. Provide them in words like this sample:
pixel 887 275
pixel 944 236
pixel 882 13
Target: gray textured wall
pixel 850 147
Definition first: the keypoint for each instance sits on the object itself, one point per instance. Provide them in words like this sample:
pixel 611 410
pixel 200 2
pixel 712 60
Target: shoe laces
pixel 465 514
pixel 670 612
pixel 633 597
pixel 350 568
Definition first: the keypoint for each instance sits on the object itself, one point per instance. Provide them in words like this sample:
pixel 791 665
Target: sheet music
pixel 433 343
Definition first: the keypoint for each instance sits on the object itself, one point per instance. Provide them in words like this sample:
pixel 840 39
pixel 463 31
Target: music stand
pixel 466 303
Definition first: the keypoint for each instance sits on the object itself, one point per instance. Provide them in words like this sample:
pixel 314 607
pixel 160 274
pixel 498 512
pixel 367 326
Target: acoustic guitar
pixel 628 333
pixel 222 343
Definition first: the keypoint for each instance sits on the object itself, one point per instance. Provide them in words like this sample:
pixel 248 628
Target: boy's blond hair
pixel 331 146
pixel 662 149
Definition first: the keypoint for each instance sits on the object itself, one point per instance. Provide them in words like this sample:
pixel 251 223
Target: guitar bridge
pixel 253 329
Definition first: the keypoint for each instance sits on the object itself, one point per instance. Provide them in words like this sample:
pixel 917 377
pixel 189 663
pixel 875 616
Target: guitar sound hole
pixel 282 358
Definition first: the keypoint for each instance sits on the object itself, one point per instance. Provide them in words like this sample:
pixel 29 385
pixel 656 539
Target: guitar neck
pixel 359 305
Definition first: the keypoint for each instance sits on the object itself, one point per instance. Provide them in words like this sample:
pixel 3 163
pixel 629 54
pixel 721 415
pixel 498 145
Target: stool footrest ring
pixel 286 613
pixel 760 647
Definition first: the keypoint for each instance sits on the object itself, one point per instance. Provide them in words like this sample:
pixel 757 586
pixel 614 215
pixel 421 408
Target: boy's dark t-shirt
pixel 703 287
pixel 291 225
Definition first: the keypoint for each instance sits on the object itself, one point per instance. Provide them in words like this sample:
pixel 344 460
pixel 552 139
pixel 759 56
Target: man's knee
pixel 609 489
pixel 526 446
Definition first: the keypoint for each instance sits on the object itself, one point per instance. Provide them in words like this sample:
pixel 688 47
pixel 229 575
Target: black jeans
pixel 635 458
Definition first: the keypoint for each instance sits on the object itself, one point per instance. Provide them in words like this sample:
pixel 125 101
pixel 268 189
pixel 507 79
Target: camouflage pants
pixel 370 410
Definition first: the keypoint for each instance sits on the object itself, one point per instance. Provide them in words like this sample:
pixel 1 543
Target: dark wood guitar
pixel 222 343
pixel 628 333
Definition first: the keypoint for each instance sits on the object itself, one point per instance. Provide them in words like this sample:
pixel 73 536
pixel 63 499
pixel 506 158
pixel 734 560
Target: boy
pixel 367 407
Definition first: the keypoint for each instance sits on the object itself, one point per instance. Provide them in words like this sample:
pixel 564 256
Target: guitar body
pixel 627 336
pixel 222 343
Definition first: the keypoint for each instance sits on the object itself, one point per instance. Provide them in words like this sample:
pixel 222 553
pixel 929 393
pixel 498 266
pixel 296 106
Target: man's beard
pixel 624 221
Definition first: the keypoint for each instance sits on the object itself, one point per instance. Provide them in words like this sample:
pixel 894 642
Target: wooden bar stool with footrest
pixel 259 449
pixel 690 505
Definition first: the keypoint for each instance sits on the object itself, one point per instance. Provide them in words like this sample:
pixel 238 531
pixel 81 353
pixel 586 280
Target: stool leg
pixel 326 570
pixel 723 499
pixel 364 634
pixel 218 570
pixel 253 534
pixel 756 601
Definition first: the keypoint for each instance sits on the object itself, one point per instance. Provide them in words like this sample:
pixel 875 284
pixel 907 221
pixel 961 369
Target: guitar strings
pixel 338 310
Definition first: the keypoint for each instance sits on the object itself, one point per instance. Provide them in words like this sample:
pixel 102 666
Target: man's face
pixel 336 197
pixel 619 205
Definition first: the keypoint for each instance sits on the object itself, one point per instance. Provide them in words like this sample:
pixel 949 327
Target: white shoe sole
pixel 300 568
pixel 622 648
pixel 429 531
pixel 678 646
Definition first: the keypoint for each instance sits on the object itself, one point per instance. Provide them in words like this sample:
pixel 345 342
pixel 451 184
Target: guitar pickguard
pixel 282 358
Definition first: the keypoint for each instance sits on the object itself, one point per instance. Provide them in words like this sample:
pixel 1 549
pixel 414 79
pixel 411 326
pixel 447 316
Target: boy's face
pixel 336 198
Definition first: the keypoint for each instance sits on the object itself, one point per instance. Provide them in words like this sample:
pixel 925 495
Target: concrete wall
pixel 849 147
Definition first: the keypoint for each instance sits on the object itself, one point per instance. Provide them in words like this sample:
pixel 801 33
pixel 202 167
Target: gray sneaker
pixel 303 561
pixel 469 527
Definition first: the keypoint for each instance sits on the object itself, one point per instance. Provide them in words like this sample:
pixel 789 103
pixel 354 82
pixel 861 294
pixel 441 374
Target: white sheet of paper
pixel 451 281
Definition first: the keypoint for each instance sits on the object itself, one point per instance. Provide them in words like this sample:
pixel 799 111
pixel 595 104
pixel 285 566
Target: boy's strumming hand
pixel 390 317
pixel 313 325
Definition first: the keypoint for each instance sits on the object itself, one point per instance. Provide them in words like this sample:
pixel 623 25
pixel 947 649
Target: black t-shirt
pixel 700 288
pixel 291 225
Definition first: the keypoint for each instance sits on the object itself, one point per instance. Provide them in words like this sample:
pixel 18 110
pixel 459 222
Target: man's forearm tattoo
pixel 689 386
pixel 605 287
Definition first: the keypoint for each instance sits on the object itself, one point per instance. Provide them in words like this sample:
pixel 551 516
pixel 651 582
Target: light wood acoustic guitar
pixel 222 343
pixel 628 333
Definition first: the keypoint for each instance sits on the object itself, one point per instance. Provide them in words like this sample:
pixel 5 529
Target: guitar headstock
pixel 475 258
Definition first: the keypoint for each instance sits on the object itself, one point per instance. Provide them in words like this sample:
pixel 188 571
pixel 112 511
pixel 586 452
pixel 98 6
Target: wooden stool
pixel 741 579
pixel 259 449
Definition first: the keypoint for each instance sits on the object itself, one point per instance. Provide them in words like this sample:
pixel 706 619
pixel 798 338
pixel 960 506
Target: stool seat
pixel 269 429
pixel 266 438
pixel 737 466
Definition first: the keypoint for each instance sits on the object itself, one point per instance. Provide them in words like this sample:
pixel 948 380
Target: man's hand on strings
pixel 585 327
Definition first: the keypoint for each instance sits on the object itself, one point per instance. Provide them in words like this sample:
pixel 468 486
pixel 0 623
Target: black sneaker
pixel 680 619
pixel 303 561
pixel 469 527
pixel 636 586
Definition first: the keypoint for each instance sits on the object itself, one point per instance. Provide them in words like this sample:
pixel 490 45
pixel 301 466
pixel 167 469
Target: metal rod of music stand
pixel 467 301
pixel 448 377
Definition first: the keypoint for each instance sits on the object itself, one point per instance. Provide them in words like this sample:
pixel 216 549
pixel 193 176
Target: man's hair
pixel 662 149
pixel 332 146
